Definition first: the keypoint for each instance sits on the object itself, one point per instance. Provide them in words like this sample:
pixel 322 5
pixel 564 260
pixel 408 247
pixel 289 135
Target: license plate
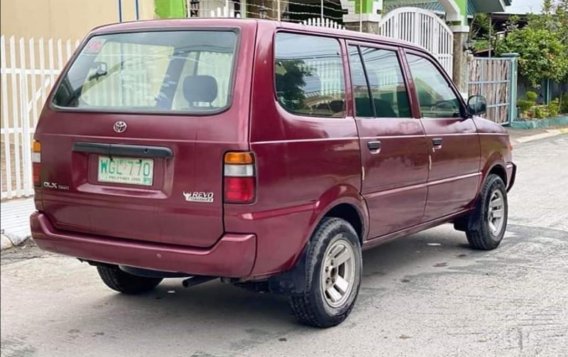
pixel 127 170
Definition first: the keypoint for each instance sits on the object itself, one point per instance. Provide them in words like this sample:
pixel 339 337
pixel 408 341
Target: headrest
pixel 200 88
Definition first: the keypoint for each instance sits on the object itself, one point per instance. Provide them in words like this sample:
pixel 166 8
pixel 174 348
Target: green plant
pixel 532 96
pixel 480 33
pixel 554 107
pixel 540 112
pixel 525 105
pixel 542 44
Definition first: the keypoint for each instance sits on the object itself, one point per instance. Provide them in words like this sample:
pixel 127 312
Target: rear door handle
pixel 374 146
pixel 437 143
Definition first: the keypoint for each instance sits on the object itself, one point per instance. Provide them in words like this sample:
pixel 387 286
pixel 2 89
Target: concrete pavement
pixel 425 295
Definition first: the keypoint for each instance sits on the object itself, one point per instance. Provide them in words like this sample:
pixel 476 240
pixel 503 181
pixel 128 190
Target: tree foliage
pixel 542 44
pixel 481 32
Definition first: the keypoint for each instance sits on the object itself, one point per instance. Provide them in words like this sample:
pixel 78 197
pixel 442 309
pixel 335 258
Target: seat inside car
pixel 199 89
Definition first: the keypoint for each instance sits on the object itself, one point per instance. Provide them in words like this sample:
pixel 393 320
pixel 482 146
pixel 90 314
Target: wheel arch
pixel 499 170
pixel 343 202
pixel 349 213
pixel 494 164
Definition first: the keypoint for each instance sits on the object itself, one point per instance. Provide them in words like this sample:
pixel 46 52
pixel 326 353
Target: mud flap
pixel 292 281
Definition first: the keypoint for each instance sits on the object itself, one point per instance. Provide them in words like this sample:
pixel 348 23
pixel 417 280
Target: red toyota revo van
pixel 266 154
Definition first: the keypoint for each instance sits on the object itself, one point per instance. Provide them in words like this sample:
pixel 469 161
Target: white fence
pixel 325 22
pixel 29 67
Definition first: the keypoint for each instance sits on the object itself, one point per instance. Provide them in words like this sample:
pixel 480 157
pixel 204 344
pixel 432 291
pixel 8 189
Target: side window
pixel 363 107
pixel 309 75
pixel 436 97
pixel 386 82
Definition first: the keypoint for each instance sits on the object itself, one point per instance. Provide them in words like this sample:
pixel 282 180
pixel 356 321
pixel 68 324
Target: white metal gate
pixel 29 67
pixel 423 28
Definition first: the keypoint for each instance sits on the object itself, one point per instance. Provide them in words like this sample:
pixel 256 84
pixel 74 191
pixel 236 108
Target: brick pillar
pixel 363 15
pixel 460 29
pixel 364 26
pixel 461 64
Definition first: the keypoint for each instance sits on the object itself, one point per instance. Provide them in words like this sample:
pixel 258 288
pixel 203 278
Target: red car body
pixel 428 172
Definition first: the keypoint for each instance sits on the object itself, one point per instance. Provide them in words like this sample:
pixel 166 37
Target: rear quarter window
pixel 309 75
pixel 162 71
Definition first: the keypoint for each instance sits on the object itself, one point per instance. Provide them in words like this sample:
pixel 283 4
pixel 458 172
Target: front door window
pixel 436 97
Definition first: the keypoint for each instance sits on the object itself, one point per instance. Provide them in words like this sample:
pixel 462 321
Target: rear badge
pixel 119 127
pixel 55 186
pixel 205 197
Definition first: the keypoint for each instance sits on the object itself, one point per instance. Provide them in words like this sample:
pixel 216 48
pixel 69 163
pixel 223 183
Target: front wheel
pixel 488 222
pixel 333 268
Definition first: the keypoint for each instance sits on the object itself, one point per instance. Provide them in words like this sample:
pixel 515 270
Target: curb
pixel 6 243
pixel 540 123
pixel 11 241
pixel 547 134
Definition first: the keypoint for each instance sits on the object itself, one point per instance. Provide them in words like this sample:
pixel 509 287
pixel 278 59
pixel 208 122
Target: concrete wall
pixel 65 19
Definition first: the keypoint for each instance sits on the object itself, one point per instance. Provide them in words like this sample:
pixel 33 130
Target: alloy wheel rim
pixel 496 212
pixel 338 272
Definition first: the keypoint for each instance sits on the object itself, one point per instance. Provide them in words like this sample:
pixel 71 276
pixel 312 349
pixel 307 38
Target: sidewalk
pixel 15 226
pixel 16 213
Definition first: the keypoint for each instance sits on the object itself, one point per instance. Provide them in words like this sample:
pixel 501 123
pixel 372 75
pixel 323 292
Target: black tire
pixel 479 233
pixel 125 283
pixel 310 305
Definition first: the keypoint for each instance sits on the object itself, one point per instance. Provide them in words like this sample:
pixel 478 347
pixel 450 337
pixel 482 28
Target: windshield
pixel 165 71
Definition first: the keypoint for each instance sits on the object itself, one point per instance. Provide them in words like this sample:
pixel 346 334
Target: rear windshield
pixel 165 71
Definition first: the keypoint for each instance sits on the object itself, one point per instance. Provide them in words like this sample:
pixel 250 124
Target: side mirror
pixel 477 105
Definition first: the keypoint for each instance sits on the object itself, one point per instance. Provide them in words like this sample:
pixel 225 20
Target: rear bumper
pixel 233 256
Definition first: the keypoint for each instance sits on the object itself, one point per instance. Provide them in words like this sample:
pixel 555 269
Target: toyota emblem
pixel 120 127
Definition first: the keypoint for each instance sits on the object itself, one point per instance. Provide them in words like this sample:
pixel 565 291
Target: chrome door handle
pixel 437 143
pixel 374 146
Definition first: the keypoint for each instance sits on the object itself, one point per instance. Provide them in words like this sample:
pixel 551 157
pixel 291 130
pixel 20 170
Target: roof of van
pixel 234 22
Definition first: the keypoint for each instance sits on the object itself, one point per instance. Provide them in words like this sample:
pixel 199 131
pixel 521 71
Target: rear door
pixel 133 143
pixel 393 146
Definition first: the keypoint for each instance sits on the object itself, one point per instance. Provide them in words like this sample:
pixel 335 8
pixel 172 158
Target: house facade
pixel 67 19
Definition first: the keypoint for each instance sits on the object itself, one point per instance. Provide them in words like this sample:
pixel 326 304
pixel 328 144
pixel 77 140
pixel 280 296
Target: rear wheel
pixel 487 224
pixel 125 283
pixel 333 275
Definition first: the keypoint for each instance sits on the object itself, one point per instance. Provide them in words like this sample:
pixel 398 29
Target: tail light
pixel 36 163
pixel 239 177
